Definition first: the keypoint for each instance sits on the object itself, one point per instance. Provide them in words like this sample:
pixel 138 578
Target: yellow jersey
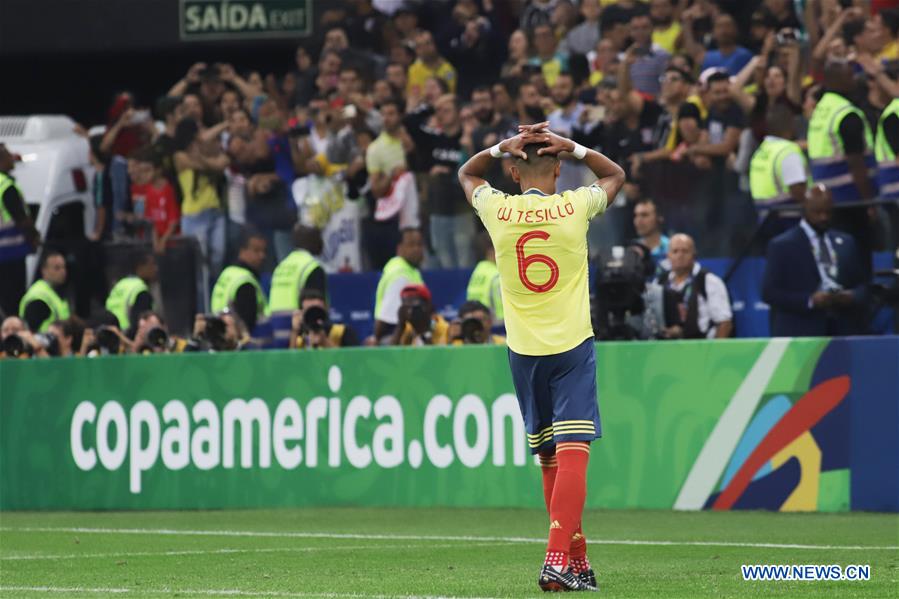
pixel 419 72
pixel 541 252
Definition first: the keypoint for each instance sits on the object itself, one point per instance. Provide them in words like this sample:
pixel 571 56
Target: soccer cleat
pixel 588 577
pixel 551 580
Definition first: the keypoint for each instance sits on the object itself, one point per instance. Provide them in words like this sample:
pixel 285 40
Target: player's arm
pixel 609 175
pixel 471 174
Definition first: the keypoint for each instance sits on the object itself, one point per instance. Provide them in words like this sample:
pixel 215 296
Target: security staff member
pixel 484 286
pixel 400 271
pixel 841 151
pixel 886 150
pixel 18 237
pixel 238 286
pixel 778 172
pixel 840 144
pixel 43 303
pixel 298 271
pixel 130 297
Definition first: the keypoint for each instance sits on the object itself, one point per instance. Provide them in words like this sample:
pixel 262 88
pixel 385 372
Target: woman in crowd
pixel 200 171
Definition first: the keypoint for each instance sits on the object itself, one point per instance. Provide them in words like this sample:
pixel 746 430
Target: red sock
pixel 550 467
pixel 569 494
pixel 578 556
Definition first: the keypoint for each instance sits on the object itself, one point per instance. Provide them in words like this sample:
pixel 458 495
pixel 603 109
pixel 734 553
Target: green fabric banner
pixel 416 427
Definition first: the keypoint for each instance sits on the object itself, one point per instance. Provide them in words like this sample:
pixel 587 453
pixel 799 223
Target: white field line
pixel 463 539
pixel 65 590
pixel 210 592
pixel 223 551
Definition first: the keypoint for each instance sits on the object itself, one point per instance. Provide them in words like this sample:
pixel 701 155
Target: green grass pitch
pixel 351 552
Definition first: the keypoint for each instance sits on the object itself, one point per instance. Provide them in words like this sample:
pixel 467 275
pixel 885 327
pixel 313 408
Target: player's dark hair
pixel 536 162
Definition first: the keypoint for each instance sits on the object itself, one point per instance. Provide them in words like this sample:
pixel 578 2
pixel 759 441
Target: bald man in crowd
pixel 697 305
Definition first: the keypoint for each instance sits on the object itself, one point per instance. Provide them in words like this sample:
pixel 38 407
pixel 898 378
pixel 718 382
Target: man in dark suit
pixel 814 276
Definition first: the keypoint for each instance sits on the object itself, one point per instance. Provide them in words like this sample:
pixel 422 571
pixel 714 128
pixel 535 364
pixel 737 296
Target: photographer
pixel 311 328
pixel 104 338
pixel 224 331
pixel 474 325
pixel 697 304
pixel 418 325
pixel 64 336
pixel 152 336
pixel 16 341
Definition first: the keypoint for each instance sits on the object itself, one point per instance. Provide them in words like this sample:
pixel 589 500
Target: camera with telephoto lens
pixel 315 320
pixel 212 338
pixel 108 341
pixel 49 342
pixel 14 347
pixel 473 331
pixel 418 316
pixel 157 339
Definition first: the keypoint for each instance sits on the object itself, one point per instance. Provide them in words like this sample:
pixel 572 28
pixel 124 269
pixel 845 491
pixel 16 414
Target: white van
pixel 55 175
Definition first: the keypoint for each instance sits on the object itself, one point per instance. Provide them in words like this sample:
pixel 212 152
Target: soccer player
pixel 540 238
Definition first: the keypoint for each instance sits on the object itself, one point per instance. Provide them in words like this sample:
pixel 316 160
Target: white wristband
pixel 579 151
pixel 496 152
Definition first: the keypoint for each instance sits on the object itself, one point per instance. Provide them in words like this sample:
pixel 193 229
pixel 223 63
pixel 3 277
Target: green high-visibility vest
pixel 825 147
pixel 766 171
pixel 289 279
pixel 122 297
pixel 882 150
pixel 42 291
pixel 887 165
pixel 225 290
pixel 13 245
pixel 395 268
pixel 483 286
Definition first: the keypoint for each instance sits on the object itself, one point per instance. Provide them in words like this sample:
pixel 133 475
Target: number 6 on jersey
pixel 525 261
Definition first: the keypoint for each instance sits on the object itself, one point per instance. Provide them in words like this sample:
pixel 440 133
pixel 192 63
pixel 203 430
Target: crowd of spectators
pixel 361 140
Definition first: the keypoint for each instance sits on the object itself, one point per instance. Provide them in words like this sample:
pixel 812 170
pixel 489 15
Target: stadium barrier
pixel 780 424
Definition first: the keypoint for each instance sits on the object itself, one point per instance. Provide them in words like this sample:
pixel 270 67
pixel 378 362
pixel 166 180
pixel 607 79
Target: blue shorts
pixel 557 396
